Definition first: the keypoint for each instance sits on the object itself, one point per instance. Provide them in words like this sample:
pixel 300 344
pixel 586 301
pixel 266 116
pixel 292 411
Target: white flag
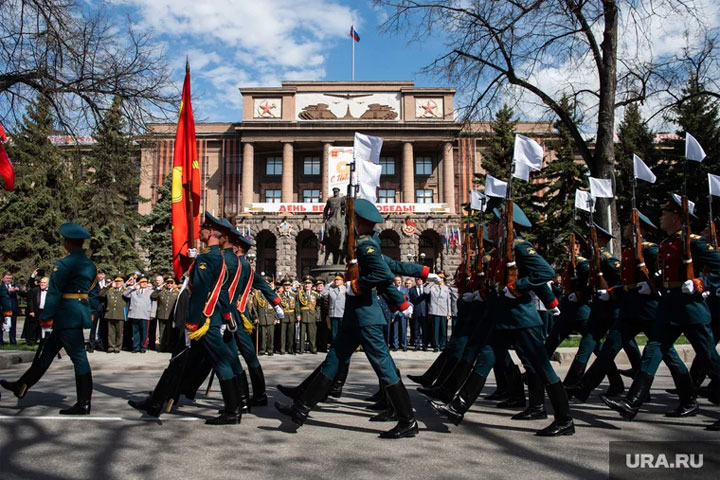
pixel 691 204
pixel 642 171
pixel 522 171
pixel 714 183
pixel 528 151
pixel 495 187
pixel 368 178
pixel 601 188
pixel 367 148
pixel 693 150
pixel 478 201
pixel 584 201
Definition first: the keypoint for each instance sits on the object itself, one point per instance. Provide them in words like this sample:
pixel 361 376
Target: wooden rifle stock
pixel 644 273
pixel 687 253
pixel 466 254
pixel 351 268
pixel 572 267
pixel 511 271
pixel 479 282
pixel 599 282
pixel 713 235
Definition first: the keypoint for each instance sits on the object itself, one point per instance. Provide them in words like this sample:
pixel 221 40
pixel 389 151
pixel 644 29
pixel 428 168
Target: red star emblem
pixel 429 108
pixel 267 108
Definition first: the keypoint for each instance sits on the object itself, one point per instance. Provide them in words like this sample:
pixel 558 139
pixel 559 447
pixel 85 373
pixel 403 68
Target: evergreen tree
pixel 561 177
pixel 112 184
pixel 43 198
pixel 156 238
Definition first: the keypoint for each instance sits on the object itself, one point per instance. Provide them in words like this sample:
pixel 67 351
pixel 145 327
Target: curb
pixel 9 358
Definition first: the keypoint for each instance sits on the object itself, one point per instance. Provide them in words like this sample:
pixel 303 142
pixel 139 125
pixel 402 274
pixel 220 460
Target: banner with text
pixel 319 207
pixel 339 159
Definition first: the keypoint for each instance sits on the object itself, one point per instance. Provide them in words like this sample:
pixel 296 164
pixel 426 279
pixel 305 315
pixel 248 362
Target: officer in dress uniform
pixel 307 312
pixel 165 298
pixel 362 325
pixel 115 312
pixel 72 296
pixel 264 314
pixel 681 310
pixel 287 324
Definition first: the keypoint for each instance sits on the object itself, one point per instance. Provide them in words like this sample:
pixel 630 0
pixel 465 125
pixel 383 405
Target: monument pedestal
pixel 328 272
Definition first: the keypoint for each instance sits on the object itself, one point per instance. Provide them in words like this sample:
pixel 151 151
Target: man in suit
pixel 36 305
pixel 418 298
pixel 12 289
pixel 96 336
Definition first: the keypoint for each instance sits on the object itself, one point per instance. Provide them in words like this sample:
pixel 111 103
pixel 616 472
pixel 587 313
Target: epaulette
pixel 580 258
pixel 362 238
pixel 694 236
pixel 606 254
pixel 647 244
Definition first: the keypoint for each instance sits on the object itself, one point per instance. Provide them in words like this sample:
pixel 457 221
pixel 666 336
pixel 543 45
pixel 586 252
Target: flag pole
pixel 352 41
pixel 188 188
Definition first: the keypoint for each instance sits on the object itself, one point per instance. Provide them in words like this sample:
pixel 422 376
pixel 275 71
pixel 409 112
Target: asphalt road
pixel 337 442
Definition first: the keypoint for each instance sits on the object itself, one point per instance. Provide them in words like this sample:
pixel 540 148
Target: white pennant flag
pixel 714 183
pixel 368 178
pixel 601 188
pixel 642 171
pixel 528 151
pixel 522 171
pixel 478 201
pixel 691 204
pixel 584 201
pixel 693 150
pixel 495 187
pixel 367 148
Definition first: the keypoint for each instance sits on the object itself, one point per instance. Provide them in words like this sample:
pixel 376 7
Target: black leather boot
pixel 20 387
pixel 501 392
pixel 374 397
pixel 257 379
pixel 628 407
pixel 432 373
pixel 400 399
pixel 230 414
pixel 300 409
pixel 447 369
pixel 617 386
pixel 627 372
pixel 149 406
pixel 295 392
pixel 516 389
pixel 575 373
pixel 563 422
pixel 452 383
pixel 243 389
pixel 193 379
pixel 84 386
pixel 339 381
pixel 536 395
pixel 456 409
pixel 688 406
pixel 589 382
pixel 387 415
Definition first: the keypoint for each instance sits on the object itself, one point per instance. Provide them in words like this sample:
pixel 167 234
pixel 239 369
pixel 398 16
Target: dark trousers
pixel 72 340
pixel 701 339
pixel 439 331
pixel 266 343
pixel 11 333
pixel 287 337
pixel 94 333
pixel 152 334
pixel 573 317
pixel 334 327
pixel 31 330
pixel 139 334
pixel 400 331
pixel 218 353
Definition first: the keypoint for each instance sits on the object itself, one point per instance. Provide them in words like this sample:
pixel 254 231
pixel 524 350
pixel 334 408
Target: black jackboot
pixel 84 386
pixel 447 369
pixel 515 387
pixel 295 392
pixel 628 407
pixel 194 378
pixel 230 414
pixel 688 399
pixel 536 396
pixel 575 373
pixel 452 383
pixel 500 392
pixel 432 373
pixel 339 381
pixel 257 379
pixel 455 410
pixel 20 387
pixel 149 406
pixel 243 389
pixel 315 391
pixel 563 422
pixel 400 399
pixel 617 387
pixel 592 378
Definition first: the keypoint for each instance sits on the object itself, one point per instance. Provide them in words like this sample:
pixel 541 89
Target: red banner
pixel 7 172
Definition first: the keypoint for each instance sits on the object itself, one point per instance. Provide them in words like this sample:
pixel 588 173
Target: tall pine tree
pixel 156 238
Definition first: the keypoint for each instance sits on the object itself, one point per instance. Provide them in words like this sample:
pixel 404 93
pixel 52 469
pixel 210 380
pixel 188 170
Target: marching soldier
pixel 264 315
pixel 72 296
pixel 287 324
pixel 307 312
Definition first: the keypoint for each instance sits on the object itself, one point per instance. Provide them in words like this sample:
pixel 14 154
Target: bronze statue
pixel 334 218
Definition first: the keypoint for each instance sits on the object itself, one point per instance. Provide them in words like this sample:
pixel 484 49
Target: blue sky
pixel 241 43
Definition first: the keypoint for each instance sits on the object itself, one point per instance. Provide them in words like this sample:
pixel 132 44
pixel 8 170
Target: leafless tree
pixel 498 51
pixel 78 56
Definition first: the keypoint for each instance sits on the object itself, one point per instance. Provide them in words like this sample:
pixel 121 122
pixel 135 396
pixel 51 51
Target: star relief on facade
pixel 429 107
pixel 268 108
pixel 285 229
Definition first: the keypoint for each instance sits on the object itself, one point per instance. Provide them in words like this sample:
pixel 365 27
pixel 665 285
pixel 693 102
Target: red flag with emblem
pixel 185 184
pixel 7 172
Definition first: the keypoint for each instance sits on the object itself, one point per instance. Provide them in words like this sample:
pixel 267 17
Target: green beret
pixel 73 231
pixel 519 217
pixel 367 211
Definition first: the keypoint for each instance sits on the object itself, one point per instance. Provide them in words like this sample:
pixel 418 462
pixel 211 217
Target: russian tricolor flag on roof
pixel 353 34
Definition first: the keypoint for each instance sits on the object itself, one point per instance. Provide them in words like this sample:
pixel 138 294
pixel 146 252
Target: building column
pixel 324 194
pixel 287 173
pixel 449 176
pixel 408 174
pixel 248 161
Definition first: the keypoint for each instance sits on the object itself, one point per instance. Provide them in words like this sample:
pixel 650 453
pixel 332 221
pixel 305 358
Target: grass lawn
pixel 574 341
pixel 20 346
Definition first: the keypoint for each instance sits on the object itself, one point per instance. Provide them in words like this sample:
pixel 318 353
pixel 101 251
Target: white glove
pixel 688 287
pixel 223 327
pixel 279 312
pixel 6 324
pixel 348 289
pixel 468 297
pixel 407 313
pixel 192 252
pixel 433 277
pixel 603 295
pixel 508 293
pixel 573 298
pixel 705 294
pixel 555 312
pixel 187 338
pixel 643 288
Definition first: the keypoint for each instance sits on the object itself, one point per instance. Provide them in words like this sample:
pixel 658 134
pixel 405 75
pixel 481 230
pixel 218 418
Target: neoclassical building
pixel 270 170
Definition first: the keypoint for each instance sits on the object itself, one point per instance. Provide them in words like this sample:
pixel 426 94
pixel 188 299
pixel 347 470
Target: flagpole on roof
pixel 352 41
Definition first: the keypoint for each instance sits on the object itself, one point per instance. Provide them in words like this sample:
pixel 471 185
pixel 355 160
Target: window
pixel 311 196
pixel 273 166
pixel 386 195
pixel 273 196
pixel 424 195
pixel 311 166
pixel 388 165
pixel 423 165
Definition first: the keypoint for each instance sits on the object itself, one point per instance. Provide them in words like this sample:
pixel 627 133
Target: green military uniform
pixel 574 305
pixel 287 324
pixel 71 297
pixel 115 313
pixel 307 309
pixel 165 299
pixel 264 313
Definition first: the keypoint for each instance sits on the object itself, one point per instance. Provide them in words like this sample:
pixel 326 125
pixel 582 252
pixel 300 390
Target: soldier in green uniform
pixel 287 324
pixel 266 318
pixel 307 312
pixel 362 325
pixel 115 313
pixel 72 296
pixel 165 298
pixel 681 310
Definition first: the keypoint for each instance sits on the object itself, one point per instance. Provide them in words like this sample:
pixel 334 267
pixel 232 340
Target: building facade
pixel 270 171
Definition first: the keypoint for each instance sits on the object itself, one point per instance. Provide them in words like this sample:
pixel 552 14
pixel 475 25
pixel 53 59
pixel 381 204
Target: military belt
pixel 75 296
pixel 676 284
pixel 306 308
